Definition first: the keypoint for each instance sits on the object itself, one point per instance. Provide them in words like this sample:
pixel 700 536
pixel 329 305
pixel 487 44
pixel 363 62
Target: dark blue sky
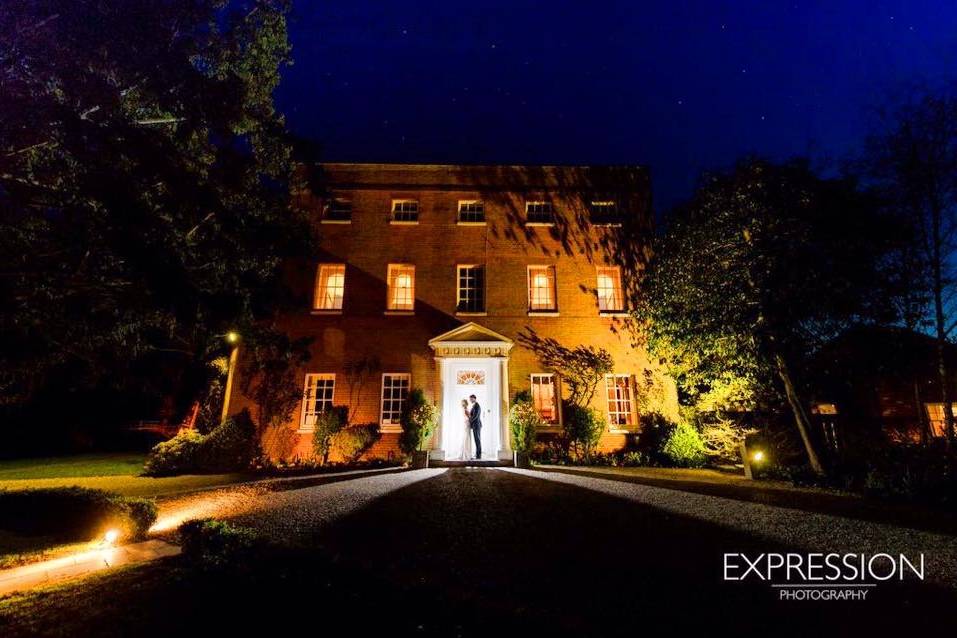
pixel 679 86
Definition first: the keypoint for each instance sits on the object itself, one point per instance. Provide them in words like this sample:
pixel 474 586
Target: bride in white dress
pixel 466 453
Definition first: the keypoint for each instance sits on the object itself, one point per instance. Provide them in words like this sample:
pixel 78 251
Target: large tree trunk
pixel 800 414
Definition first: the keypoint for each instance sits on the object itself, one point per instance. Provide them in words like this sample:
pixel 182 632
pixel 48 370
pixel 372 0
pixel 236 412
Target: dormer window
pixel 405 211
pixel 539 213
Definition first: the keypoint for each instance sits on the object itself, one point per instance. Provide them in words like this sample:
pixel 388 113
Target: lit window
pixel 605 212
pixel 405 210
pixel 471 289
pixel 337 210
pixel 541 288
pixel 618 387
pixel 330 286
pixel 539 213
pixel 935 416
pixel 395 390
pixel 401 287
pixel 472 211
pixel 544 396
pixel 316 398
pixel 610 297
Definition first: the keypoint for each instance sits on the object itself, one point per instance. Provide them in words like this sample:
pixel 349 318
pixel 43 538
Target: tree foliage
pixel 144 179
pixel 767 262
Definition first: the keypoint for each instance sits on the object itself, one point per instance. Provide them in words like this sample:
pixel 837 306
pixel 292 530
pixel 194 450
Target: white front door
pixel 463 378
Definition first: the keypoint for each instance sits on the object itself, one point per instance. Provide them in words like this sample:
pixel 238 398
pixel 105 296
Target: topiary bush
pixel 524 421
pixel 583 429
pixel 74 513
pixel 352 442
pixel 419 418
pixel 232 446
pixel 217 545
pixel 328 424
pixel 683 446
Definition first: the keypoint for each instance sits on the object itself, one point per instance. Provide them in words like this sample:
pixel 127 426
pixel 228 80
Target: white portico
pixel 472 359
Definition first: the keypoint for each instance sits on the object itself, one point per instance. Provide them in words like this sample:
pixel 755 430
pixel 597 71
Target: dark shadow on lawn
pixel 496 549
pixel 848 506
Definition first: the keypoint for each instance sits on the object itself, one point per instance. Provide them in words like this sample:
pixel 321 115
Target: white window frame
pixel 330 206
pixel 618 291
pixel 615 209
pixel 556 395
pixel 321 295
pixel 480 290
pixel 536 203
pixel 613 423
pixel 309 412
pixel 463 203
pixel 391 306
pixel 398 204
pixel 552 274
pixel 393 423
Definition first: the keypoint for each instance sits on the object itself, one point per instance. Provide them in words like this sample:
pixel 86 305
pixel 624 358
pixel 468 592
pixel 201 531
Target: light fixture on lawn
pixel 232 336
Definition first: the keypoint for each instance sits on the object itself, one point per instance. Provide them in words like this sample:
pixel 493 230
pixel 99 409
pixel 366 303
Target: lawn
pixel 116 464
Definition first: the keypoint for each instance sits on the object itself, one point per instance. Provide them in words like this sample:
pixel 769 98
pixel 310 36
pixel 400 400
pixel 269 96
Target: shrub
pixel 419 418
pixel 233 445
pixel 352 442
pixel 583 429
pixel 328 423
pixel 683 447
pixel 74 513
pixel 179 455
pixel 217 545
pixel 524 421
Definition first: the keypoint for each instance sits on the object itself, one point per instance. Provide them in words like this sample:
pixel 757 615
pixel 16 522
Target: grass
pixel 142 486
pixel 84 465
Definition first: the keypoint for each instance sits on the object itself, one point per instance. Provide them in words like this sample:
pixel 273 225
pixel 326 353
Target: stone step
pixel 475 463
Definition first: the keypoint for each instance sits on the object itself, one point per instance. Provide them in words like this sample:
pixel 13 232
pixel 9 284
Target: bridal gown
pixel 465 454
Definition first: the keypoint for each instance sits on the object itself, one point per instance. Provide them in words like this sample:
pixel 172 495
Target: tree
pixel 765 263
pixel 581 368
pixel 913 162
pixel 144 187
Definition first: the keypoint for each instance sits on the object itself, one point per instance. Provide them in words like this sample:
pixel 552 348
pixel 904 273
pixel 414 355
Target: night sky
pixel 679 86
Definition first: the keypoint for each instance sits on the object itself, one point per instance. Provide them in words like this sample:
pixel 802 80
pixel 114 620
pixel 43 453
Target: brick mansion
pixel 429 275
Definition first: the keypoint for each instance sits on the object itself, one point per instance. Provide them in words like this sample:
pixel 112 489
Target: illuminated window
pixel 618 387
pixel 935 417
pixel 405 210
pixel 401 287
pixel 316 398
pixel 395 390
pixel 330 286
pixel 541 288
pixel 337 210
pixel 545 396
pixel 471 289
pixel 605 212
pixel 610 297
pixel 539 213
pixel 471 211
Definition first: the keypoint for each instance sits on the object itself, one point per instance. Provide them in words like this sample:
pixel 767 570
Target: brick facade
pixel 505 245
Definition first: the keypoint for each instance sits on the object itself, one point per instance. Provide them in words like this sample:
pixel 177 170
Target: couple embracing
pixel 472 415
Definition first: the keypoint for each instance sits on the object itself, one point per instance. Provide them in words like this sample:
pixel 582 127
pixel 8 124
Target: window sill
pixel 613 313
pixel 543 313
pixel 335 221
pixel 540 223
pixel 551 427
pixel 607 224
pixel 460 223
pixel 389 428
pixel 470 314
pixel 399 313
pixel 396 222
pixel 301 431
pixel 617 430
pixel 326 312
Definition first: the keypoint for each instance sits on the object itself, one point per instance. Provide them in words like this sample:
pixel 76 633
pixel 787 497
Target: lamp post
pixel 232 338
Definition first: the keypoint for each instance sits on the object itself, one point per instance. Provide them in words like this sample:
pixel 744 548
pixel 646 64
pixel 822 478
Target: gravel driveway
pixel 583 556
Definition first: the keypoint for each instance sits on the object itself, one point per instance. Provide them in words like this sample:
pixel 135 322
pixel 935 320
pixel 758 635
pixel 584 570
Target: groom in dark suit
pixel 475 424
